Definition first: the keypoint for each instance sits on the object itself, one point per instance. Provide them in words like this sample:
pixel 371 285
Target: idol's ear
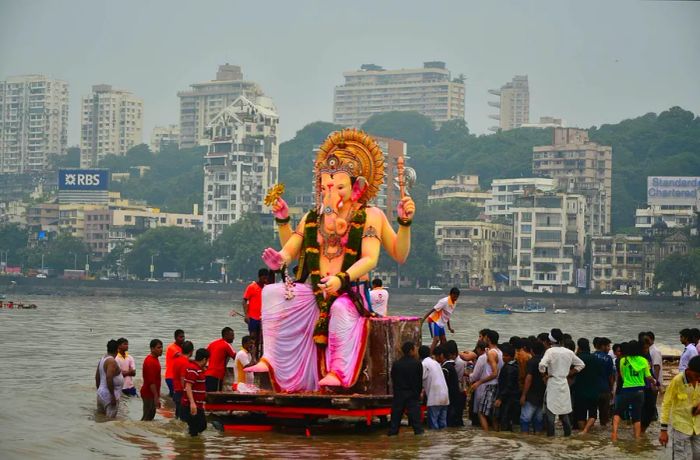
pixel 358 188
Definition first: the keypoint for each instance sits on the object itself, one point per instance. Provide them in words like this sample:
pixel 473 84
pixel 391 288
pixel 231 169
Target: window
pixel 527 217
pixel 548 236
pixel 525 243
pixel 526 228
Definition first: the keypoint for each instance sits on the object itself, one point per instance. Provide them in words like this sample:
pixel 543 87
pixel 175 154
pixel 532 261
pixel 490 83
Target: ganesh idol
pixel 315 329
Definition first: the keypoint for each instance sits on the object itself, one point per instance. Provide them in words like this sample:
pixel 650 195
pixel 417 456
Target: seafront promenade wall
pixel 403 297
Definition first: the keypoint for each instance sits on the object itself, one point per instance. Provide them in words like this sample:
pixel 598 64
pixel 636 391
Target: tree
pixel 174 182
pixel 676 272
pixel 13 239
pixel 64 252
pixel 410 127
pixel 241 245
pixel 174 249
pixel 70 160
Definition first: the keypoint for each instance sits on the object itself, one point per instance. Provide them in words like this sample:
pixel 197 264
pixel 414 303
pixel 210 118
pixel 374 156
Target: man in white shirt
pixel 689 351
pixel 439 317
pixel 556 365
pixel 435 388
pixel 656 360
pixel 244 358
pixel 379 298
pixel 127 365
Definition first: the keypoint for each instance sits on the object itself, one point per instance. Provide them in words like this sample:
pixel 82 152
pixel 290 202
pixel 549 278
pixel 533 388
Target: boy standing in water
pixel 170 353
pixel 127 366
pixel 195 393
pixel 244 358
pixel 150 391
pixel 439 317
pixel 181 362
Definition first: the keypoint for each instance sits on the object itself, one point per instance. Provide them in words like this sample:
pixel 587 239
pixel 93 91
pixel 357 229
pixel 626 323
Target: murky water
pixel 47 393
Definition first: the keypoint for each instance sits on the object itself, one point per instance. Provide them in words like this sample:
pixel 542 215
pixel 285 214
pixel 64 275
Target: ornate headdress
pixel 355 153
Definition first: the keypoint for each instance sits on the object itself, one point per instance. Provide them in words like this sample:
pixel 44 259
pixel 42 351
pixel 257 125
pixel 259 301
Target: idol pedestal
pixel 384 340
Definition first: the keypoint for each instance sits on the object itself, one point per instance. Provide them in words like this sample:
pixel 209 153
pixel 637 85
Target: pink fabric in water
pixel 287 327
pixel 346 340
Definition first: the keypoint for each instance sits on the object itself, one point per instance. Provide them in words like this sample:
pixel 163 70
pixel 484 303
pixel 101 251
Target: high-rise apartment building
pixel 505 191
pixel 461 187
pixel 206 100
pixel 241 163
pixel 581 167
pixel 474 254
pixel 513 104
pixel 548 242
pixel 33 122
pixel 112 123
pixel 430 90
pixel 164 136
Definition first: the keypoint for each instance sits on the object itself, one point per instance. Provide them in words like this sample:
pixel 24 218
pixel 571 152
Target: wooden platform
pixel 263 411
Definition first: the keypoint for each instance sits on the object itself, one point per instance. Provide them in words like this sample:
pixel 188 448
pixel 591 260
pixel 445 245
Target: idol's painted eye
pixel 327 210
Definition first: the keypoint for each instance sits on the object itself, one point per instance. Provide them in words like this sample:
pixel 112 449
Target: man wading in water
pixel 109 382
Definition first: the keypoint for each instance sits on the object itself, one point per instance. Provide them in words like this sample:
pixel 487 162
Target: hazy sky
pixel 589 62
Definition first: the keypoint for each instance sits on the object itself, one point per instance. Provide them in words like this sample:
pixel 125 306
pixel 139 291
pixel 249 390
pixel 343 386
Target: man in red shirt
pixel 195 393
pixel 150 391
pixel 170 353
pixel 252 307
pixel 180 363
pixel 219 352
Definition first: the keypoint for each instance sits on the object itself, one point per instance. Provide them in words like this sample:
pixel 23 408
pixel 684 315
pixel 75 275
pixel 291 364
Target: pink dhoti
pixel 289 349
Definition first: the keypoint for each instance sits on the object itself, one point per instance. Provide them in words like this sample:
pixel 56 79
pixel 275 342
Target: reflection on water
pixel 48 393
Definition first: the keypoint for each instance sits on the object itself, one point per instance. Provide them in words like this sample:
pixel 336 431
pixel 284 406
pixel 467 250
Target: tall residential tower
pixel 206 100
pixel 430 90
pixel 241 163
pixel 33 122
pixel 112 123
pixel 513 104
pixel 580 166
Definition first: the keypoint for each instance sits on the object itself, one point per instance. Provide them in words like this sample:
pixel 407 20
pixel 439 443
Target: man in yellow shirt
pixel 682 406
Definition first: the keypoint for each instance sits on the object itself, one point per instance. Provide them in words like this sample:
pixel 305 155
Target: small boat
pixel 504 310
pixel 697 315
pixel 559 311
pixel 530 306
pixel 3 296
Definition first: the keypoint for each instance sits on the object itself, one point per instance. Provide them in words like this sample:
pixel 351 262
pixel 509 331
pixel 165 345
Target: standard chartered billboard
pixel 671 190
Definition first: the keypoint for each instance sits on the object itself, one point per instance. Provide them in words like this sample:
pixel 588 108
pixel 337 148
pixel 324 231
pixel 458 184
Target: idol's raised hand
pixel 406 208
pixel 272 259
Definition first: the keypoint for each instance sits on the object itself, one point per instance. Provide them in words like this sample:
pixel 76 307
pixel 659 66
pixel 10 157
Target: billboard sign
pixel 83 179
pixel 672 190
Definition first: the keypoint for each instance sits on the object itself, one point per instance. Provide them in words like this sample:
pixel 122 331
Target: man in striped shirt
pixel 195 393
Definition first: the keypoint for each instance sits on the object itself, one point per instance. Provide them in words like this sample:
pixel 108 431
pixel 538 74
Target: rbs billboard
pixel 83 179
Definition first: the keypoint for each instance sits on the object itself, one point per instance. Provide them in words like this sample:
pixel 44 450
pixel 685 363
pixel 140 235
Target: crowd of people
pixel 526 382
pixel 189 375
pixel 532 381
